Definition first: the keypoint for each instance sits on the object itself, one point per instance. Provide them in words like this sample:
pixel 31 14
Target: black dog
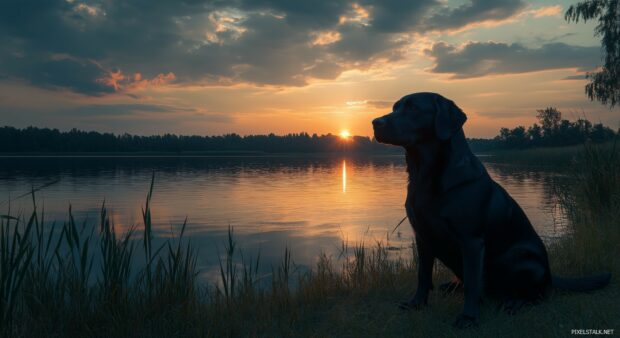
pixel 464 218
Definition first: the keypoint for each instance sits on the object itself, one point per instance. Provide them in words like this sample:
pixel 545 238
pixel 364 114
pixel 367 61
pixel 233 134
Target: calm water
pixel 309 203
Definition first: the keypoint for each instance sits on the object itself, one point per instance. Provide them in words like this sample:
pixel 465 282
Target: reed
pixel 228 270
pixel 16 254
pixel 591 200
pixel 116 256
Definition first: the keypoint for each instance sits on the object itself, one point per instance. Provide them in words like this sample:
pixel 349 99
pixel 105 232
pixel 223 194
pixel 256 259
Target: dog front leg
pixel 473 257
pixel 425 275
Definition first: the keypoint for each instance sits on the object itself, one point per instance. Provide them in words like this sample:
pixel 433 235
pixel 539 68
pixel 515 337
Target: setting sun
pixel 345 134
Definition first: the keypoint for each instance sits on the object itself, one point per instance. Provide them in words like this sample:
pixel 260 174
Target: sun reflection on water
pixel 344 176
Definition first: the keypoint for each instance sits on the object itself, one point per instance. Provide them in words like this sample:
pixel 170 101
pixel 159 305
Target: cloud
pixel 395 16
pixel 370 103
pixel 121 109
pixel 144 111
pixel 474 11
pixel 576 77
pixel 380 104
pixel 97 48
pixel 546 11
pixel 360 43
pixel 540 40
pixel 476 59
pixel 65 73
pixel 305 14
pixel 120 81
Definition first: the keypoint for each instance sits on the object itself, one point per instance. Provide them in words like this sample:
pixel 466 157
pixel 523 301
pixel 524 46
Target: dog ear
pixel 448 118
pixel 462 165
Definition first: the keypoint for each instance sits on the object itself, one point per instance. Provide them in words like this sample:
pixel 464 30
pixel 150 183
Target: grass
pixel 84 280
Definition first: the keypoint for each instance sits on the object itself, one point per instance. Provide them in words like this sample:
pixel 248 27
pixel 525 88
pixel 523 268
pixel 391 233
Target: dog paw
pixel 464 321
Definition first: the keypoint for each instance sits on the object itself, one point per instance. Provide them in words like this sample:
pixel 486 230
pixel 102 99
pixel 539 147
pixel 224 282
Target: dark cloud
pixel 325 70
pixel 318 14
pixel 557 38
pixel 362 43
pixel 95 47
pixel 484 58
pixel 474 11
pixel 270 51
pixel 74 75
pixel 397 15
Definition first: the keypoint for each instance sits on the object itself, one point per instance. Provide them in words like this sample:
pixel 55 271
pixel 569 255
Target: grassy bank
pixel 81 280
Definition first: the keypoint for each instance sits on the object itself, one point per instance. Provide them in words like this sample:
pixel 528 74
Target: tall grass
pixel 591 200
pixel 48 285
pixel 88 280
pixel 116 254
pixel 596 181
pixel 15 257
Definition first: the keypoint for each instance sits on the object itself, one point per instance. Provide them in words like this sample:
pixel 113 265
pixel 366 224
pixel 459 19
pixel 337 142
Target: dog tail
pixel 587 283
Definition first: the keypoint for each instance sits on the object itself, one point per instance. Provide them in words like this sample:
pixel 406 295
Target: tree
pixel 604 85
pixel 549 119
pixel 504 134
pixel 515 138
pixel 534 133
pixel 518 137
pixel 600 133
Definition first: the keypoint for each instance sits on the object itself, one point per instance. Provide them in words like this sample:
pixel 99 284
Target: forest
pixel 550 131
pixel 553 131
pixel 34 139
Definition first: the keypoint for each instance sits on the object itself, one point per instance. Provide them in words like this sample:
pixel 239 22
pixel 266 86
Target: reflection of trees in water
pixel 548 179
pixel 39 167
pixel 52 168
pixel 109 167
pixel 521 176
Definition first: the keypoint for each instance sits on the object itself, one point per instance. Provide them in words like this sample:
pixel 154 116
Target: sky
pixel 211 67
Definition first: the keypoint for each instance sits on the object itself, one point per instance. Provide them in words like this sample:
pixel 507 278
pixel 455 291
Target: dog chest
pixel 427 222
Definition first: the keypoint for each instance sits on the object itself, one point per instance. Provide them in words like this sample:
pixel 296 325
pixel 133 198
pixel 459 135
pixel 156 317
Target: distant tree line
pixel 550 131
pixel 34 139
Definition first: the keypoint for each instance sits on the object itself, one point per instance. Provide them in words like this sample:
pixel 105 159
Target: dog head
pixel 419 118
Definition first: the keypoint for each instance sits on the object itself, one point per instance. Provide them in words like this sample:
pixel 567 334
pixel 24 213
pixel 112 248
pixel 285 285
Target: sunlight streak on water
pixel 344 176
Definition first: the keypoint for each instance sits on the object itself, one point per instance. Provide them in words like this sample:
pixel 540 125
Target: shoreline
pixel 190 154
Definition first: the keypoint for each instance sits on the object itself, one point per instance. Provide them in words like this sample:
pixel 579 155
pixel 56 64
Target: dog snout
pixel 379 122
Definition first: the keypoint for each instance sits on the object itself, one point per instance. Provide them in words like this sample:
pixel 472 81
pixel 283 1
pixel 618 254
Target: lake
pixel 308 203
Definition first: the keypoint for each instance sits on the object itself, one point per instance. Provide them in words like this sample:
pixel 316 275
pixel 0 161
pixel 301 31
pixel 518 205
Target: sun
pixel 344 134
